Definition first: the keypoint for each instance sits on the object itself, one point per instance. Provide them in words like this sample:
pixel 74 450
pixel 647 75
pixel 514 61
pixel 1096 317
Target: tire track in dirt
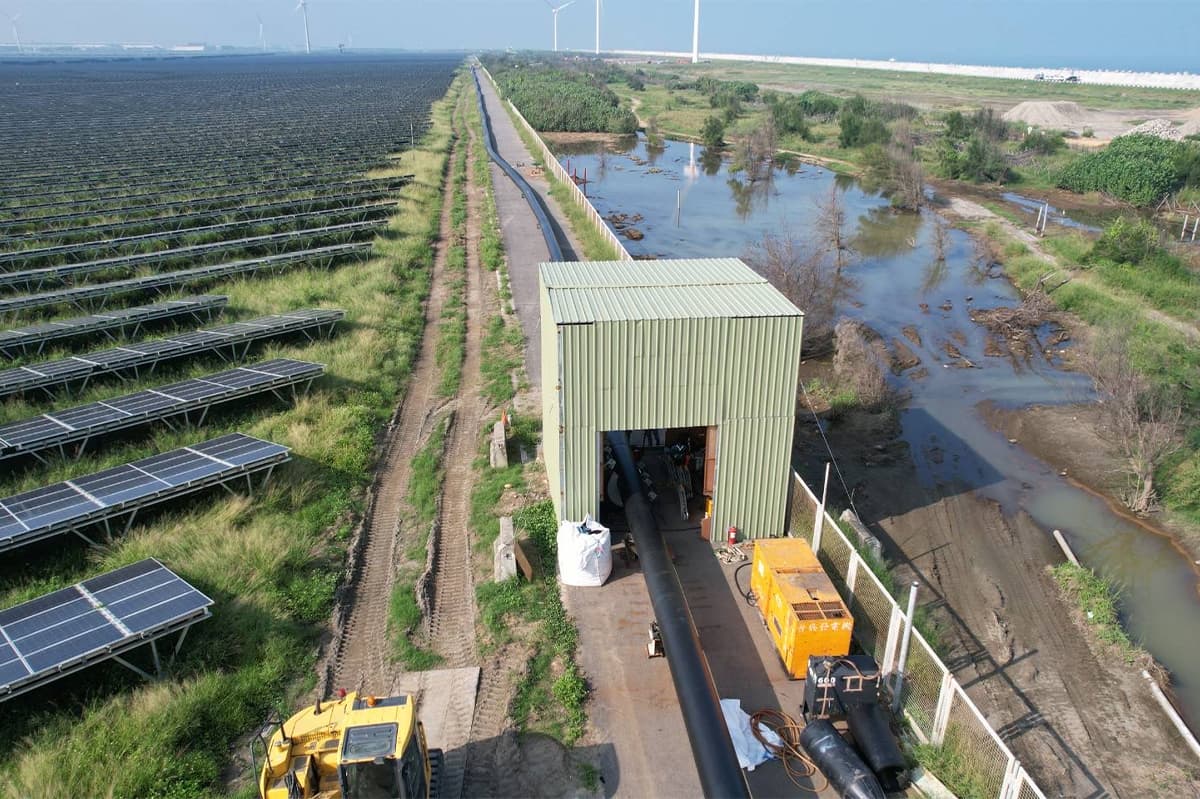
pixel 362 656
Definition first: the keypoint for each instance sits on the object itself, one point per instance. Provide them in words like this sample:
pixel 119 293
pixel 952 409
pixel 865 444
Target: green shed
pixel 698 359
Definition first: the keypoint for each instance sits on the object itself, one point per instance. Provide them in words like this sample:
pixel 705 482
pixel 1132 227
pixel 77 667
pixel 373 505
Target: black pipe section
pixel 531 196
pixel 873 737
pixel 712 748
pixel 838 761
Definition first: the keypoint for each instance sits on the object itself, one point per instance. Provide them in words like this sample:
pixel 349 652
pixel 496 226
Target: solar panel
pixel 120 492
pixel 33 339
pixel 76 426
pixel 92 621
pixel 34 279
pixel 234 339
pixel 75 296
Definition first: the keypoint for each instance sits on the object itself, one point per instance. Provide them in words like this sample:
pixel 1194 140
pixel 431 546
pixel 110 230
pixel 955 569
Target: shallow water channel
pixel 691 206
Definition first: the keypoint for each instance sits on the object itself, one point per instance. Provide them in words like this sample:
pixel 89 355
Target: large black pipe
pixel 531 196
pixel 712 748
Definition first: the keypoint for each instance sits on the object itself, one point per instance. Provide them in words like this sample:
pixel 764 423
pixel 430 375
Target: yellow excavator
pixel 356 747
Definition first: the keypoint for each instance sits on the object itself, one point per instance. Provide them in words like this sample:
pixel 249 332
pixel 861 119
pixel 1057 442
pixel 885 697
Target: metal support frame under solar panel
pixel 225 201
pixel 362 213
pixel 244 213
pixel 99 619
pixel 126 321
pixel 99 293
pixel 231 343
pixel 182 405
pixel 34 279
pixel 111 500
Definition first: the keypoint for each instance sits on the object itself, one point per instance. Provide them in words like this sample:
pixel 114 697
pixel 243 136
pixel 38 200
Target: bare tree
pixel 1143 420
pixel 755 152
pixel 831 227
pixel 806 277
pixel 941 238
pixel 858 366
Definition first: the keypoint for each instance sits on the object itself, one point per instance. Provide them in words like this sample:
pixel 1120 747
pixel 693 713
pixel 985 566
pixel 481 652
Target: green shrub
pixel 1043 142
pixel 860 131
pixel 1138 169
pixel 557 99
pixel 713 132
pixel 1127 241
pixel 819 105
pixel 979 160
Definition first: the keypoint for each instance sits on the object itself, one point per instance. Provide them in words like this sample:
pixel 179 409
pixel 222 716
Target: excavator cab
pixel 358 747
pixel 371 768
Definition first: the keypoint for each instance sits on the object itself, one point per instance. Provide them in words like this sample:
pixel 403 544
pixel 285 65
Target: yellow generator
pixel 357 747
pixel 798 603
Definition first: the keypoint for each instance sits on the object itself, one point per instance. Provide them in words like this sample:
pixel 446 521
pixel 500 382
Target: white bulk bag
pixel 584 558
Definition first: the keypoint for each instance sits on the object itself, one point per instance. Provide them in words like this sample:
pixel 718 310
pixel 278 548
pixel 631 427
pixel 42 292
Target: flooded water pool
pixel 685 204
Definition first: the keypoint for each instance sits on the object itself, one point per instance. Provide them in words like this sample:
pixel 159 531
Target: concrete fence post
pixel 1186 218
pixel 819 521
pixel 1013 777
pixel 941 716
pixel 852 573
pixel 902 662
pixel 895 623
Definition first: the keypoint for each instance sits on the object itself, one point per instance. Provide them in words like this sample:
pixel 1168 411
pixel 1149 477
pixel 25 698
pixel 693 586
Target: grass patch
pixel 404 618
pixel 270 561
pixel 1097 601
pixel 551 694
pixel 955 763
pixel 425 484
pixel 502 356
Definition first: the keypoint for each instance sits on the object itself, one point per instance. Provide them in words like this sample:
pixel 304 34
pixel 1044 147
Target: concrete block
pixel 861 532
pixel 498 451
pixel 504 558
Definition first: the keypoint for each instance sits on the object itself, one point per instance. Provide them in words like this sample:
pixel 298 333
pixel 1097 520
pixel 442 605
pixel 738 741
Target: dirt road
pixel 1081 721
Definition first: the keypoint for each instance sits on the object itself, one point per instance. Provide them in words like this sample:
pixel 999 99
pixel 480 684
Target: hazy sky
pixel 1131 34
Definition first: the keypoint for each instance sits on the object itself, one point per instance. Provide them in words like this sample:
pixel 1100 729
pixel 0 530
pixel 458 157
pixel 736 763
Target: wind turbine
pixel 303 6
pixel 597 27
pixel 696 34
pixel 554 10
pixel 13 19
pixel 262 39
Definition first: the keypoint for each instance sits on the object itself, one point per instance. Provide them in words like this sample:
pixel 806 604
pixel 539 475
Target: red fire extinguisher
pixel 732 535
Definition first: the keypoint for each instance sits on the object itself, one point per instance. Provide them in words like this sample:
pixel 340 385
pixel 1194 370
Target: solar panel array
pixel 102 291
pixel 115 244
pixel 72 505
pixel 62 632
pixel 76 426
pixel 34 279
pixel 33 338
pixel 236 338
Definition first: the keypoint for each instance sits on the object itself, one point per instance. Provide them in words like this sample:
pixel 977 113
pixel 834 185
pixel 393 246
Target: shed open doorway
pixel 678 467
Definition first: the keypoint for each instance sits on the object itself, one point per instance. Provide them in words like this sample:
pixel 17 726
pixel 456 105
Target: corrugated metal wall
pixel 737 374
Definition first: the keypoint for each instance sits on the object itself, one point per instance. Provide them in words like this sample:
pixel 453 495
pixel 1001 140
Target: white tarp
pixel 584 553
pixel 750 752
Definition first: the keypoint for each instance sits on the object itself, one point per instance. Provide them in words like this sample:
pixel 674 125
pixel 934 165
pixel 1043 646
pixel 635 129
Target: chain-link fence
pixel 552 164
pixel 972 759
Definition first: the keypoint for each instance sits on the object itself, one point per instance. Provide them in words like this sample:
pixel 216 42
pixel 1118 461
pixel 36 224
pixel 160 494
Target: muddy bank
pixel 1080 719
pixel 1068 438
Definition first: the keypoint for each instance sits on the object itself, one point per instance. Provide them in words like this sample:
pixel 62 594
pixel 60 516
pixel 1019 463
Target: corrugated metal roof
pixel 609 291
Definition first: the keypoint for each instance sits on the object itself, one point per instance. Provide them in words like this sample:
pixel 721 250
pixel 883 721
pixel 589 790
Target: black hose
pixel 712 748
pixel 747 595
pixel 531 196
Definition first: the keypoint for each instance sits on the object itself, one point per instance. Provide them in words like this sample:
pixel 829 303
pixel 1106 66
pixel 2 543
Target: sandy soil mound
pixel 1055 116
